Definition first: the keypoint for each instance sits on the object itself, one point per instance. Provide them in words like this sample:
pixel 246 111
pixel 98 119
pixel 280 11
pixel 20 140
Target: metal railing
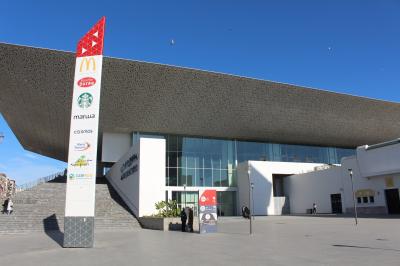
pixel 32 184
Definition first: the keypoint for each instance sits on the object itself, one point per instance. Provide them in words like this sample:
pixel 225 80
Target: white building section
pixel 139 176
pixel 271 192
pixel 376 178
pixel 114 146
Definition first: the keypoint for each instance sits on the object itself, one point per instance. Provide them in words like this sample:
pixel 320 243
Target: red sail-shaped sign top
pixel 92 42
pixel 208 198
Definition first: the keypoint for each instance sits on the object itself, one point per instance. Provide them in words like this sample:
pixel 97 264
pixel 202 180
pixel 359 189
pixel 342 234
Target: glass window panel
pixel 232 178
pixel 173 159
pixel 193 160
pixel 207 160
pixel 216 161
pixel 250 151
pixel 226 203
pixel 179 143
pixel 371 199
pixel 207 177
pixel 173 174
pixel 216 178
pixel 182 177
pixel 172 143
pixel 224 178
pixel 190 177
pixel 181 160
pixel 199 177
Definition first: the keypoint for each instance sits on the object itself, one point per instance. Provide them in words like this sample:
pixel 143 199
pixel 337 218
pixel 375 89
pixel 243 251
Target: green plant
pixel 167 208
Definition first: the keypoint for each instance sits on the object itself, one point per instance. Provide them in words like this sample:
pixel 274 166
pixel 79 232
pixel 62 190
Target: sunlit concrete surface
pixel 285 240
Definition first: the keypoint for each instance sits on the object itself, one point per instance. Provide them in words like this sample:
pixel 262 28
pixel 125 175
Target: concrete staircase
pixel 42 209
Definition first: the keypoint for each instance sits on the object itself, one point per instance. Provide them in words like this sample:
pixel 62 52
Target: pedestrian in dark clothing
pixel 245 212
pixel 314 208
pixel 183 220
pixel 190 221
pixel 5 204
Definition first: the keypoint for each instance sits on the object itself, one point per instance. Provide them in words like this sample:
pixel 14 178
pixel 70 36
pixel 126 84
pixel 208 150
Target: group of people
pixel 8 206
pixel 187 215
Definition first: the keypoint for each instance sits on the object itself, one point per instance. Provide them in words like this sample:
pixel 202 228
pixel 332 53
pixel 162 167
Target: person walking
pixel 9 206
pixel 183 220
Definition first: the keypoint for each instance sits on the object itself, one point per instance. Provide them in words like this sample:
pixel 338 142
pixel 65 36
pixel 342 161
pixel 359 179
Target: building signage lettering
pixel 77 117
pixel 131 165
pixel 83 131
pixel 86 82
pixel 82 146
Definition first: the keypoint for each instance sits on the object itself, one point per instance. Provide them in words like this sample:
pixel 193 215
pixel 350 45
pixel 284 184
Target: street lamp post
pixel 352 190
pixel 252 200
pixel 184 194
pixel 250 192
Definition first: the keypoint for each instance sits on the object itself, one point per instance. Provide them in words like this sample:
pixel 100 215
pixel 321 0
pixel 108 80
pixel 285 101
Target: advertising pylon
pixel 82 153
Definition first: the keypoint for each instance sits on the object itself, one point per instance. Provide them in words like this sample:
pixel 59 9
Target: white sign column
pixel 82 156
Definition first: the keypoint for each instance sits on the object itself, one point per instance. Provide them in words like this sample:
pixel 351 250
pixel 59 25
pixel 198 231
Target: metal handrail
pixel 32 184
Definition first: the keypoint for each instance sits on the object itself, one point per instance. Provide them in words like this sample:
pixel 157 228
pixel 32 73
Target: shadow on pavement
pixel 352 246
pixel 52 229
pixel 329 215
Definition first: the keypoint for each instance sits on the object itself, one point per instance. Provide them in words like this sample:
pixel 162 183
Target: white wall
pixel 376 183
pixel 379 161
pixel 261 173
pixel 305 189
pixel 114 146
pixel 152 173
pixel 146 186
pixel 314 187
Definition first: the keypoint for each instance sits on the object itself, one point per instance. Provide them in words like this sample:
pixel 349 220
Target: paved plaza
pixel 280 240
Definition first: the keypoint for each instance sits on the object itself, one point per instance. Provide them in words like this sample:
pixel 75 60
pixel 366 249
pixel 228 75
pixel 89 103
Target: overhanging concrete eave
pixel 36 88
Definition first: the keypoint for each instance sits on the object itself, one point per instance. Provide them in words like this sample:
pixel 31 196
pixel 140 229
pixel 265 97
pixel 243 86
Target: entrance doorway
pixel 336 203
pixel 392 201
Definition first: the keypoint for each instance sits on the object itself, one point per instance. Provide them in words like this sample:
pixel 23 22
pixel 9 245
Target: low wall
pixel 166 224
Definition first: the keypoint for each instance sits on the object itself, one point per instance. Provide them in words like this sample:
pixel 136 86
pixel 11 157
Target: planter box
pixel 166 224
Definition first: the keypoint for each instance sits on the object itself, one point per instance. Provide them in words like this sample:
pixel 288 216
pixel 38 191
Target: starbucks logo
pixel 85 100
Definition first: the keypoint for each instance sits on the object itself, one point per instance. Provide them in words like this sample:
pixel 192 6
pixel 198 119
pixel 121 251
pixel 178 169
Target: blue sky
pixel 348 46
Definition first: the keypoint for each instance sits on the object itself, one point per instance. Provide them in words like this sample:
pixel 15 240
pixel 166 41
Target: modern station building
pixel 167 131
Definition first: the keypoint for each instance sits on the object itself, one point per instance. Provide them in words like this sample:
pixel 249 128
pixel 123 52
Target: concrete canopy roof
pixel 36 97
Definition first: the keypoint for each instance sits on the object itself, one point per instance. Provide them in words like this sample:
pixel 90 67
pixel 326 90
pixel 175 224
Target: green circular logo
pixel 85 100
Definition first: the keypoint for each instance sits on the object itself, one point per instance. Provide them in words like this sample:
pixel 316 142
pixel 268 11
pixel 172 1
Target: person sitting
pixel 245 212
pixel 314 208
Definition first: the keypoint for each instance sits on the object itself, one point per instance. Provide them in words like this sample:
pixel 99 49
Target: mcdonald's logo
pixel 87 65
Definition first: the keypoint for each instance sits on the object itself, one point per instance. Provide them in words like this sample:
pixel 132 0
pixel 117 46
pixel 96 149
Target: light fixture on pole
pixel 352 191
pixel 250 188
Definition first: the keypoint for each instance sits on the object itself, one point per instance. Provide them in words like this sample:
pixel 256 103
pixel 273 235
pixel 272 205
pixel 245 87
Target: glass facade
pixel 200 162
pixel 226 201
pixel 204 162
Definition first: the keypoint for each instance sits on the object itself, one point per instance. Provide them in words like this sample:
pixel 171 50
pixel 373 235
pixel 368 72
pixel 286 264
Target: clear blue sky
pixel 348 46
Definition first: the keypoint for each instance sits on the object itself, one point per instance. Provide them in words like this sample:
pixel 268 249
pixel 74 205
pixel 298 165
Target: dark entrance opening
pixel 392 201
pixel 336 203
